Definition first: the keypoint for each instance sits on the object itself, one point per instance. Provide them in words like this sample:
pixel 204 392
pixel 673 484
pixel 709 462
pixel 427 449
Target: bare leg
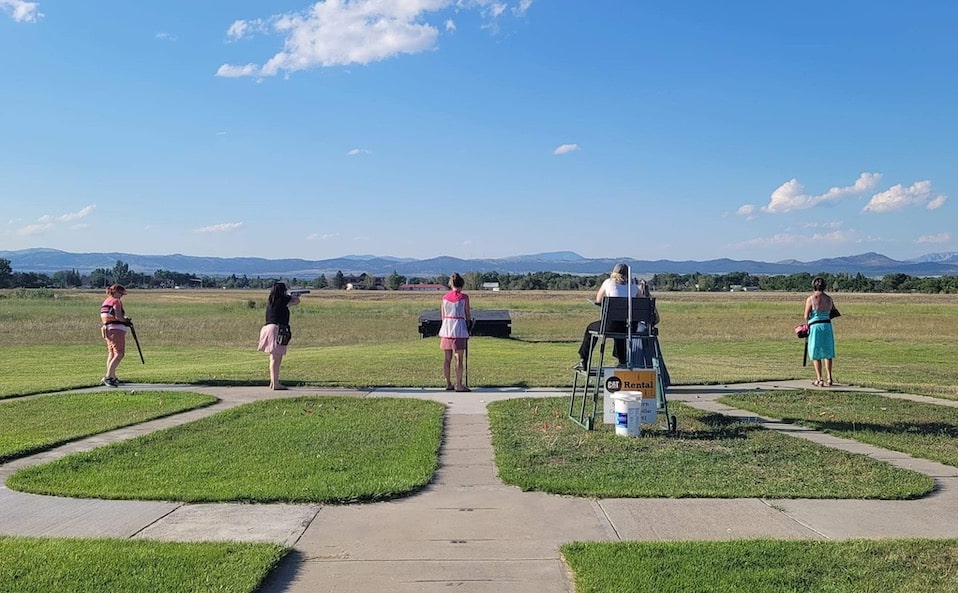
pixel 818 371
pixel 112 364
pixel 459 384
pixel 115 352
pixel 446 368
pixel 828 370
pixel 274 361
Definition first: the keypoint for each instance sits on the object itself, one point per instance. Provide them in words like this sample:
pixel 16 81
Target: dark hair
pixel 818 284
pixel 277 290
pixel 456 280
pixel 643 288
pixel 115 289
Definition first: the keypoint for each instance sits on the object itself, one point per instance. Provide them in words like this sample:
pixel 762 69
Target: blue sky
pixel 480 128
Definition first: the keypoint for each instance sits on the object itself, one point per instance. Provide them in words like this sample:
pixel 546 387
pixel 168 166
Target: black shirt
pixel 278 311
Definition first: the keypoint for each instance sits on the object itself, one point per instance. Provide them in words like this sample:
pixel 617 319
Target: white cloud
pixel 230 71
pixel 22 11
pixel 792 239
pixel 791 196
pixel 323 237
pixel 49 222
pixel 78 214
pixel 938 238
pixel 35 229
pixel 238 30
pixel 220 228
pixel 747 210
pixel 899 197
pixel 338 33
pixel 566 148
pixel 165 36
pixel 358 151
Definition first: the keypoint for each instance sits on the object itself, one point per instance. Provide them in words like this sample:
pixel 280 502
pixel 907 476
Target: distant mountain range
pixel 869 264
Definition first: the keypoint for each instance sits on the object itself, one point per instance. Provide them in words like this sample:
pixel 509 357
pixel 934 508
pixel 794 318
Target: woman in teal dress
pixel 821 339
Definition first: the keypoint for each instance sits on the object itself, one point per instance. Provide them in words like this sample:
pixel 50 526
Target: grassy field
pixel 762 566
pixel 33 565
pixel 921 430
pixel 896 342
pixel 34 424
pixel 712 456
pixel 306 449
pixel 365 338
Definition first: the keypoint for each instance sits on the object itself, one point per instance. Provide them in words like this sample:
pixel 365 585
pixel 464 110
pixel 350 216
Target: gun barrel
pixel 297 293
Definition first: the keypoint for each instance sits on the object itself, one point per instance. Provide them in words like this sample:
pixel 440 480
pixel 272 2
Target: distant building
pixel 490 286
pixel 360 282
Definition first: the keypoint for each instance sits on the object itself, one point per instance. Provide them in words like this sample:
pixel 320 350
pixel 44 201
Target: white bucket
pixel 628 412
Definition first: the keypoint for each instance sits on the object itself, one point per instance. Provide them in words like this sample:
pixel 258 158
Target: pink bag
pixel 801 331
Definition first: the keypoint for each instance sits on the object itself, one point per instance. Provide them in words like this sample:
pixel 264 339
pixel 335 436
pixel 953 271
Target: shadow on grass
pixel 940 429
pixel 211 382
pixel 717 427
pixel 282 576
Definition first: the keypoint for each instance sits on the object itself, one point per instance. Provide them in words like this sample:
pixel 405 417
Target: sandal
pixel 450 388
pixel 828 383
pixel 464 390
pixel 817 383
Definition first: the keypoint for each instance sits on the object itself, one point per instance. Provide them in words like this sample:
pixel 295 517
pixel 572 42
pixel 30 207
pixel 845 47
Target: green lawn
pixel 32 565
pixel 539 448
pixel 763 566
pixel 369 338
pixel 34 424
pixel 304 449
pixel 923 430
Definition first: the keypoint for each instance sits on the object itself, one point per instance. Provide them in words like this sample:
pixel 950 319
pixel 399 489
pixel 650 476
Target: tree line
pixel 121 273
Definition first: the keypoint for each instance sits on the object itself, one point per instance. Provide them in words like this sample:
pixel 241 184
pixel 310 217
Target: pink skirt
pixel 269 340
pixel 456 344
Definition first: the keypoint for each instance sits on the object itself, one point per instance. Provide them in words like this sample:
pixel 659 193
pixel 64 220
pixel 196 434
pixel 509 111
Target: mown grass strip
pixel 33 565
pixel 922 430
pixel 306 449
pixel 712 456
pixel 35 424
pixel 765 566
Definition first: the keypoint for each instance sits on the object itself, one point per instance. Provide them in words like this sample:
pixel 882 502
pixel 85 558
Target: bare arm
pixel 808 308
pixel 600 294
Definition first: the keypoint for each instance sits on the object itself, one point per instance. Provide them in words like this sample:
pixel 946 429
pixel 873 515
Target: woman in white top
pixel 454 331
pixel 616 285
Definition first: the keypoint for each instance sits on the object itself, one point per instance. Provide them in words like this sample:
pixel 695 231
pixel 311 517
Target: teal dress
pixel 821 339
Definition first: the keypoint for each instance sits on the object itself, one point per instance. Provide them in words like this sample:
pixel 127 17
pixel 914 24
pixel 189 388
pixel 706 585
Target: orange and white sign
pixel 642 381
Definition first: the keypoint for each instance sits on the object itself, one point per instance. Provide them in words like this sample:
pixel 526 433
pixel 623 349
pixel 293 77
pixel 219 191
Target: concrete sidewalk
pixel 466 529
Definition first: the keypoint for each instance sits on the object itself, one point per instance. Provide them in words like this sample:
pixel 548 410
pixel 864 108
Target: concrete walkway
pixel 467 530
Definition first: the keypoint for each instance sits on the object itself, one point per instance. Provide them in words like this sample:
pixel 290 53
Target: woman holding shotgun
pixel 113 331
pixel 276 334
